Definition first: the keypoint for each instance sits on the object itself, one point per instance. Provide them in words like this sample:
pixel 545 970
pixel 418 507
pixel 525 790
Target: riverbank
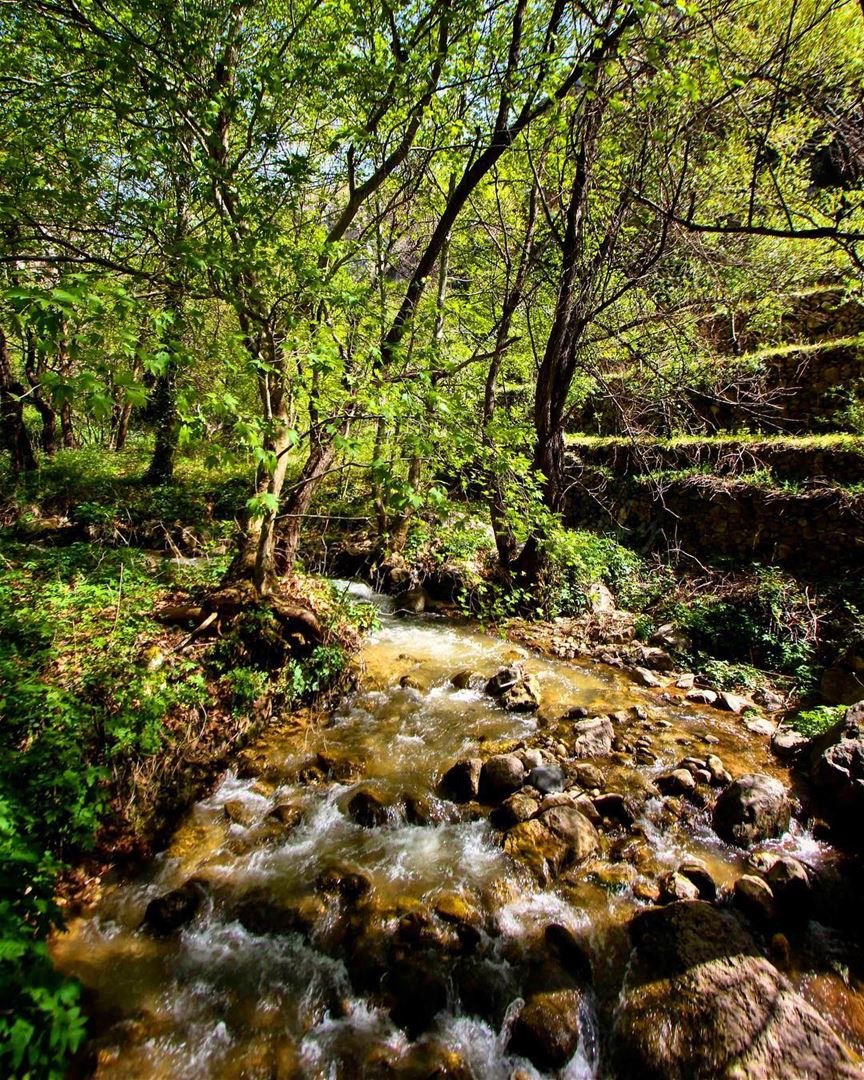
pixel 445 873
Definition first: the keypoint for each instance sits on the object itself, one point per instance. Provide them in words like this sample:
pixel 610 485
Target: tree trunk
pixel 13 430
pixel 34 366
pixel 295 507
pixel 164 404
pixel 121 430
pixel 164 394
pixel 67 429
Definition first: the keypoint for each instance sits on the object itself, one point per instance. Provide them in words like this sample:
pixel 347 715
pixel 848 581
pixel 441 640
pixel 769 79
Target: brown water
pixel 218 1000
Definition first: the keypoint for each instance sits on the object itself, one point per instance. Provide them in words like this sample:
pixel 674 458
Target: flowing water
pixel 316 931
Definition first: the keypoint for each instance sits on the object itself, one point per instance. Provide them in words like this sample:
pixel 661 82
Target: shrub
pixel 813 722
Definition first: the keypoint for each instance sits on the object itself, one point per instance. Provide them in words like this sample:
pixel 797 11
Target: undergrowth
pixel 96 693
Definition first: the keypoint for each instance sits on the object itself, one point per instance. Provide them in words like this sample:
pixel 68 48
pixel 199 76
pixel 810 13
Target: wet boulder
pixel 461 680
pixel 260 913
pixel 700 1000
pixel 589 776
pixel 461 782
pixel 752 808
pixel 500 776
pixel 367 808
pixel 167 913
pixel 418 992
pixel 547 1029
pixel 593 737
pixel 675 886
pixel 837 770
pixel 792 888
pixel 349 884
pixel 755 898
pixel 676 782
pixel 485 987
pixel 696 871
pixel 411 602
pixel 240 812
pixel 546 778
pixel 556 838
pixel 547 844
pixel 287 813
pixel 524 696
pixel 516 808
pixel 613 806
pixel 789 744
pixel 504 679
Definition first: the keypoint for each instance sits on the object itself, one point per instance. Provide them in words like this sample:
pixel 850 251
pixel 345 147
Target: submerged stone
pixel 752 808
pixel 168 913
pixel 547 1029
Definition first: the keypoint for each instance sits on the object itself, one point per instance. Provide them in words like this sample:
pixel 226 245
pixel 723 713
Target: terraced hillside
pixel 772 466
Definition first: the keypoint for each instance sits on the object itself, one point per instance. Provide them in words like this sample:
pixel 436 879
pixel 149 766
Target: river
pixel 323 947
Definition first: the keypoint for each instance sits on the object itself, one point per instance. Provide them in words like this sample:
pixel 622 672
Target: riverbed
pixel 325 944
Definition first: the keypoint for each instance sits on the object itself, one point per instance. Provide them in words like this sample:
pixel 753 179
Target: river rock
pixel 547 778
pixel 459 908
pixel 676 782
pixel 696 871
pixel 367 808
pixel 700 1001
pixel 524 696
pixel 516 808
pixel 644 677
pixel 169 912
pixel 593 737
pixel 462 679
pixel 700 696
pixel 558 837
pixel 613 805
pixel 720 775
pixel 755 898
pixel 547 1029
pixel 500 776
pixel 760 726
pixel 418 991
pixel 240 812
pixel 531 759
pixel 288 814
pixel 791 886
pixel 731 703
pixel 412 601
pixel 461 782
pixel 589 776
pixel 837 771
pixel 789 744
pixel 504 679
pixel 752 808
pixel 675 886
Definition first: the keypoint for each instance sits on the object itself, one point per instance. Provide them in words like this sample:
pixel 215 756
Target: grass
pixel 833 441
pixel 761 478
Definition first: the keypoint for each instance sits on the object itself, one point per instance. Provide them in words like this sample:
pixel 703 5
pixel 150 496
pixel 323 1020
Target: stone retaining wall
pixel 812 316
pixel 840 464
pixel 816 533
